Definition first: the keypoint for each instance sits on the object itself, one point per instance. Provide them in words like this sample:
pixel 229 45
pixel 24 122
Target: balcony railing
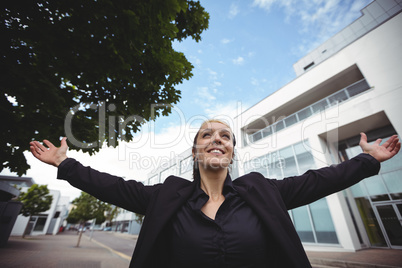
pixel 333 99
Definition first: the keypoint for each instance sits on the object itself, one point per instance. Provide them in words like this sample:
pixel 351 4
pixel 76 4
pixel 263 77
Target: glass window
pixel 376 188
pixel 247 167
pixel 288 162
pixel 338 97
pixel 358 88
pixel 153 180
pixel 167 172
pixel 266 131
pixel 304 158
pixel 370 222
pixel 319 106
pixel 358 190
pixel 305 162
pixel 302 224
pixel 257 136
pixel 290 120
pixel 323 225
pixel 278 126
pixel 186 165
pixel 393 182
pixel 40 223
pixel 303 114
pixel 274 166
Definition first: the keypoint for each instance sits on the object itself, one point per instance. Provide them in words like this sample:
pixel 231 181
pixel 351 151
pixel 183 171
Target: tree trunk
pixel 79 237
pixel 26 227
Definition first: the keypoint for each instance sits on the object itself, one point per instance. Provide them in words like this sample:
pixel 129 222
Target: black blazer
pixel 269 198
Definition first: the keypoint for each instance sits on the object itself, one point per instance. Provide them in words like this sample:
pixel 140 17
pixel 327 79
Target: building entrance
pixel 390 221
pixel 378 199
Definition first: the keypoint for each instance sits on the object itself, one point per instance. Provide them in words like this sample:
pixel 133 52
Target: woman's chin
pixel 216 164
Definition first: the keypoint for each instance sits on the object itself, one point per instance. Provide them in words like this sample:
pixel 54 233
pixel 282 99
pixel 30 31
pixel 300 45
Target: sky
pixel 246 54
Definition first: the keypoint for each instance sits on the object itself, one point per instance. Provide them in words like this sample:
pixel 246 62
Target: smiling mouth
pixel 216 151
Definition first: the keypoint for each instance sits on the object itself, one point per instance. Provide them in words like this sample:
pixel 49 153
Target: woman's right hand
pixel 51 154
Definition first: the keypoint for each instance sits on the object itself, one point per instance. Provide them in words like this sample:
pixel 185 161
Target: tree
pixel 87 208
pixel 65 63
pixel 36 200
pixel 139 218
pixel 112 213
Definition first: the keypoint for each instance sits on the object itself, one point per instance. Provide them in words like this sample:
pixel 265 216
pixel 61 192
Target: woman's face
pixel 214 146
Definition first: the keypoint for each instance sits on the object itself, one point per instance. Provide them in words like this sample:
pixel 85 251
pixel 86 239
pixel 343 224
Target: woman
pixel 214 221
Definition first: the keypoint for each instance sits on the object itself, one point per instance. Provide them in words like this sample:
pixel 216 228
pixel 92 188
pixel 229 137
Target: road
pixel 119 242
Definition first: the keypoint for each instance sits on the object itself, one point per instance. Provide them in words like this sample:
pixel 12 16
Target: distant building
pixel 47 222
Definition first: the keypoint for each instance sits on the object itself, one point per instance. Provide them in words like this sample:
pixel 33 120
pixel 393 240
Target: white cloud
pixel 265 4
pixel 254 81
pixel 316 19
pixel 226 41
pixel 238 61
pixel 205 94
pixel 132 160
pixel 217 84
pixel 195 60
pixel 233 11
pixel 251 54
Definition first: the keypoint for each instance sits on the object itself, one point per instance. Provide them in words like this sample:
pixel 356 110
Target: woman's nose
pixel 216 139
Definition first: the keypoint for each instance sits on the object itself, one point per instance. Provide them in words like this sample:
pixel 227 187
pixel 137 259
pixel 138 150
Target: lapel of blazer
pixel 170 197
pixel 264 198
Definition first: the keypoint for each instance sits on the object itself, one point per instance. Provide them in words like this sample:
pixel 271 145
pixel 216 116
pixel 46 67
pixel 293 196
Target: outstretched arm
pixel 380 152
pixel 51 154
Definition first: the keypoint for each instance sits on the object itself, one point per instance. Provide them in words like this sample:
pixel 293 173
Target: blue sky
pixel 246 54
pixel 250 47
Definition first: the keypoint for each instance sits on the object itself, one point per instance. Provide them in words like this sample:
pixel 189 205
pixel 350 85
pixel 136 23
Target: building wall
pixel 59 205
pixel 376 57
pixel 373 15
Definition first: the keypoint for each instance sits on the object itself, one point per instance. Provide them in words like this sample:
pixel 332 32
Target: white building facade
pixel 47 222
pixel 350 84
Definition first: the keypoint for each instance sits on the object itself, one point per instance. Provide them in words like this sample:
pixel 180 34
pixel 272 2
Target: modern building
pixel 352 83
pixel 47 222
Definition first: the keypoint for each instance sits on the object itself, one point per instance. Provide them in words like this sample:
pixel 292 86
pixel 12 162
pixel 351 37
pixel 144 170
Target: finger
pixel 48 144
pixel 40 146
pixel 378 142
pixel 390 141
pixel 363 138
pixel 63 142
pixel 35 144
pixel 34 151
pixel 396 149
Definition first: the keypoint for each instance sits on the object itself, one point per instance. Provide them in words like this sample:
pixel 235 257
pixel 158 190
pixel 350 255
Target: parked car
pixel 107 229
pixel 83 229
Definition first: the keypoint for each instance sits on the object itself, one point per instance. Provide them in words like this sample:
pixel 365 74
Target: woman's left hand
pixel 380 152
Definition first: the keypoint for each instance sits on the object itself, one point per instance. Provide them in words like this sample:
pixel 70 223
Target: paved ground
pixel 61 251
pixel 58 251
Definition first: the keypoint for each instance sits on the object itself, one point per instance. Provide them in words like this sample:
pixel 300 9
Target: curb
pixel 347 264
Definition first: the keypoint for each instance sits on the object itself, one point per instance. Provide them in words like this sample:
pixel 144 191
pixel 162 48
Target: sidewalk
pixel 60 251
pixel 366 258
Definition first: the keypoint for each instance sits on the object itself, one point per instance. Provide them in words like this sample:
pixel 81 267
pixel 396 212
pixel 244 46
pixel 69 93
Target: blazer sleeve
pixel 130 195
pixel 315 184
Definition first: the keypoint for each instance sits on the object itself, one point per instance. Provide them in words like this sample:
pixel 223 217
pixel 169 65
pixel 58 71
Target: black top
pixel 236 237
